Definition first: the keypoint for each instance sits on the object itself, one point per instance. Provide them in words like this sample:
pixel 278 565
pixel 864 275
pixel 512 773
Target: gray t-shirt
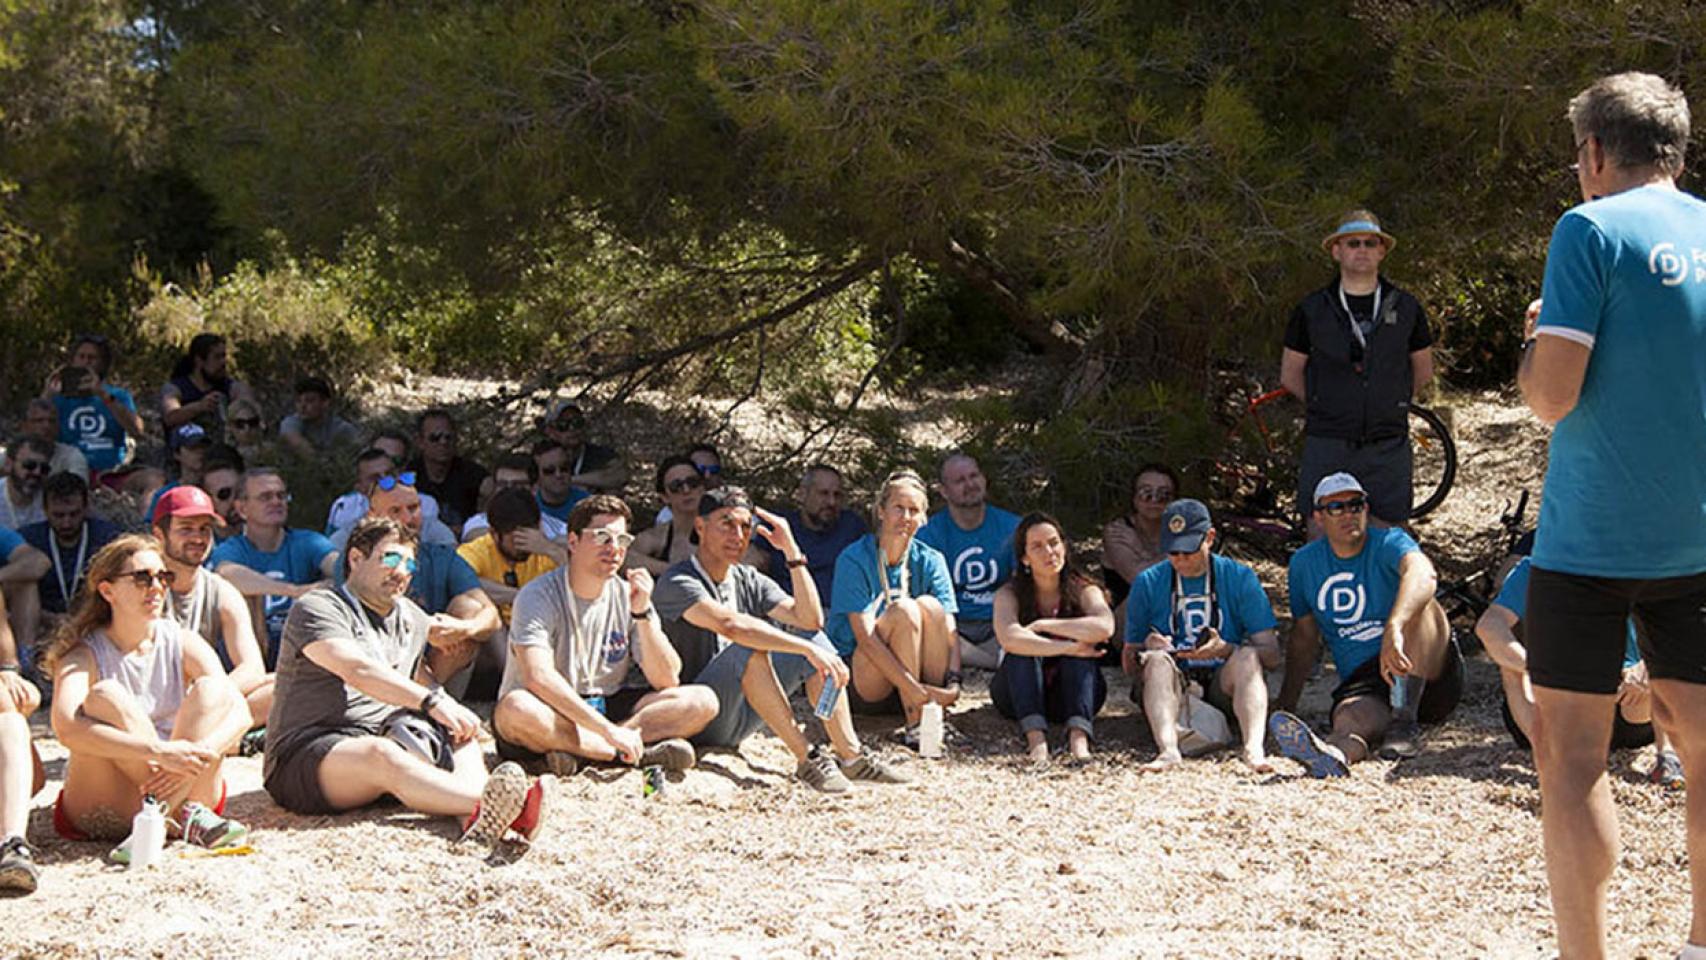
pixel 594 642
pixel 332 430
pixel 306 695
pixel 744 590
pixel 198 609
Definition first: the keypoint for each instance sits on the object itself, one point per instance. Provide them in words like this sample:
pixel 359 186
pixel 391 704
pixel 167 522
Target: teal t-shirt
pixel 1350 598
pixel 858 588
pixel 979 561
pixel 1625 492
pixel 1240 608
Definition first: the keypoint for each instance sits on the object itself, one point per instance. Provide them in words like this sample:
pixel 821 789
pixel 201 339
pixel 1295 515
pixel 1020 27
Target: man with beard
pixel 443 473
pixel 976 538
pixel 20 489
pixel 512 552
pixel 42 420
pixel 822 525
pixel 205 602
pixel 592 468
pixel 200 388
pixel 69 536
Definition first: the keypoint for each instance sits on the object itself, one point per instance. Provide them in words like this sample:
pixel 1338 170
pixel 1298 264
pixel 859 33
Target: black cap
pixel 723 497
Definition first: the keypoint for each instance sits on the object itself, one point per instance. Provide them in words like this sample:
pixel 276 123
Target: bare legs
pixel 525 720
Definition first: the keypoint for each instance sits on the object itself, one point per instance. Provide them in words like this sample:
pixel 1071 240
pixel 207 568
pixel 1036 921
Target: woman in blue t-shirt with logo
pixel 1052 621
pixel 892 612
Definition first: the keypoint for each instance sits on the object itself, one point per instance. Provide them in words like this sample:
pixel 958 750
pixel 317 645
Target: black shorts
pixel 293 765
pixel 1439 697
pixel 618 707
pixel 1624 735
pixel 1577 632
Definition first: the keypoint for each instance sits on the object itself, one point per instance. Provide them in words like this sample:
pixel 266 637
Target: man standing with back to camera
pixel 1355 352
pixel 1616 359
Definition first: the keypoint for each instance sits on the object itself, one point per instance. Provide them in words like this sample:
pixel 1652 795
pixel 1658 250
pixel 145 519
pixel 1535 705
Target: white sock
pixel 1691 952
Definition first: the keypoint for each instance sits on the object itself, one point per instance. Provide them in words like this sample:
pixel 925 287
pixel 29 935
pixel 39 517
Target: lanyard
pixel 1176 617
pixel 890 594
pixel 1356 328
pixel 59 565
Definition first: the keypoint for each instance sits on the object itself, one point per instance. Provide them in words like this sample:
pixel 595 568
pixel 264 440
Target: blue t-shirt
pixel 297 560
pixel 1350 599
pixel 1625 492
pixel 1240 606
pixel 979 561
pixel 87 424
pixel 441 577
pixel 1513 596
pixel 54 587
pixel 9 541
pixel 561 510
pixel 820 547
pixel 858 588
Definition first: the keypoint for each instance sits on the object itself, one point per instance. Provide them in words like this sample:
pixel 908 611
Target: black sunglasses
pixel 683 484
pixel 146 578
pixel 568 423
pixel 444 437
pixel 35 466
pixel 245 423
pixel 1337 507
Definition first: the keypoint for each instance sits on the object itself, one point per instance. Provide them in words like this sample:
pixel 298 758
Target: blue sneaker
pixel 1300 743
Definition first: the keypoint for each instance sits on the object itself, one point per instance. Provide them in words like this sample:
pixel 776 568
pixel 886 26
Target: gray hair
pixel 1639 119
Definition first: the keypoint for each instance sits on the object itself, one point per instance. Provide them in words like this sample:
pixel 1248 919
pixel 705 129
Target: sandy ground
pixel 1437 857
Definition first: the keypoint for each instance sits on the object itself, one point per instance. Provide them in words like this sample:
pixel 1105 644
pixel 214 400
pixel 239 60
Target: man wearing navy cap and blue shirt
pixel 1355 352
pixel 976 539
pixel 1200 618
pixel 1369 592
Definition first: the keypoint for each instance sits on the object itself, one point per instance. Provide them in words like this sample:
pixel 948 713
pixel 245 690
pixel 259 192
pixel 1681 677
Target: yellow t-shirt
pixel 489 564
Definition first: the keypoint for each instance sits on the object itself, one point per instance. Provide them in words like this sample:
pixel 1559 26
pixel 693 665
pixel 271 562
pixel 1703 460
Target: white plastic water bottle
pixel 148 834
pixel 930 731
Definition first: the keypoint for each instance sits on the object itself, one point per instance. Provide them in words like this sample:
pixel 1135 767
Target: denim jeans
pixel 1039 690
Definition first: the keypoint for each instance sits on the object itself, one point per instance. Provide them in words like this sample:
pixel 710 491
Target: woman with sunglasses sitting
pixel 1131 542
pixel 142 706
pixel 670 541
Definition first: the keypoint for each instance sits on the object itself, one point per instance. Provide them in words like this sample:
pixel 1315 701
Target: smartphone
pixel 71 382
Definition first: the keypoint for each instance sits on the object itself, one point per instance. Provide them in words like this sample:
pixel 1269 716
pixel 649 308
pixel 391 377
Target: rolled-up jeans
pixel 1037 691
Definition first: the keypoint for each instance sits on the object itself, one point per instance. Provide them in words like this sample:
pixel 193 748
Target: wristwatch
pixel 431 699
pixel 797 563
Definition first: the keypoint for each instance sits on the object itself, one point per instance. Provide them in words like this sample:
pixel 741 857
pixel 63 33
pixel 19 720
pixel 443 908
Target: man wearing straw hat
pixel 1355 352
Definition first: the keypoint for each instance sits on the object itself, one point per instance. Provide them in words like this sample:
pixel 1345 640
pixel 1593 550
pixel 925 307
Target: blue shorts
pixel 736 720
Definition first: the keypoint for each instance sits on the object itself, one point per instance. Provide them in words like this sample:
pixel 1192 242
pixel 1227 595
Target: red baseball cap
pixel 185 500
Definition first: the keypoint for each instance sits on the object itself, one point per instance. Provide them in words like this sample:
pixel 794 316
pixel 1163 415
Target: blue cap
pixel 1183 525
pixel 1357 224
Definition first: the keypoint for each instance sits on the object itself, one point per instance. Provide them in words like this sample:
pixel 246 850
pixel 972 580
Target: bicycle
pixel 1466 598
pixel 1256 482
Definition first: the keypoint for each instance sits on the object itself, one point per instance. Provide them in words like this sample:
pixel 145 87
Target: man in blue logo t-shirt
pixel 1369 594
pixel 1202 618
pixel 977 541
pixel 1617 360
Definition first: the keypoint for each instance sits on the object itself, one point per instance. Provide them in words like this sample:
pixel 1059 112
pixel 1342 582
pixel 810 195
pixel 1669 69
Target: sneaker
pixel 1300 743
pixel 18 870
pixel 674 755
pixel 1667 771
pixel 535 811
pixel 562 764
pixel 501 802
pixel 868 768
pixel 820 771
pixel 204 828
pixel 908 737
pixel 254 742
pixel 1402 742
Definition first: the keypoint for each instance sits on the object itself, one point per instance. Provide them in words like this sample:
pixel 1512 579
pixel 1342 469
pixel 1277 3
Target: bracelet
pixel 797 563
pixel 431 699
pixel 641 614
pixel 10 668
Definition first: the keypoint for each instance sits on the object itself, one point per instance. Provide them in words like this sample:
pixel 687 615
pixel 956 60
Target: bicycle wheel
pixel 1434 457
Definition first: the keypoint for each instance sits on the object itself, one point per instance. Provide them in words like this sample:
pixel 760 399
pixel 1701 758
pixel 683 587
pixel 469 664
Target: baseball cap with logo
pixel 191 435
pixel 185 500
pixel 713 500
pixel 1183 525
pixel 1336 483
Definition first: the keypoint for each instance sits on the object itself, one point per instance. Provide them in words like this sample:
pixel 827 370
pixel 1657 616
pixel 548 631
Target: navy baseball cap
pixel 1183 525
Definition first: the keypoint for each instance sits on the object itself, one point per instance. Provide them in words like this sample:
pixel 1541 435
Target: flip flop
pixel 1300 743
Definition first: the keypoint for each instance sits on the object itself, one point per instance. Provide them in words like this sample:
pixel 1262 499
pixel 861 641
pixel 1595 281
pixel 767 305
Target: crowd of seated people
pixel 345 649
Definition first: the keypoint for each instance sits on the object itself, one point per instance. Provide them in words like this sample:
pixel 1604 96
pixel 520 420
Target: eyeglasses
pixel 1577 167
pixel 1155 494
pixel 442 437
pixel 397 558
pixel 34 466
pixel 708 469
pixel 273 496
pixel 683 484
pixel 143 579
pixel 246 423
pixel 568 423
pixel 1334 508
pixel 224 493
pixel 1360 243
pixel 604 537
pixel 392 481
